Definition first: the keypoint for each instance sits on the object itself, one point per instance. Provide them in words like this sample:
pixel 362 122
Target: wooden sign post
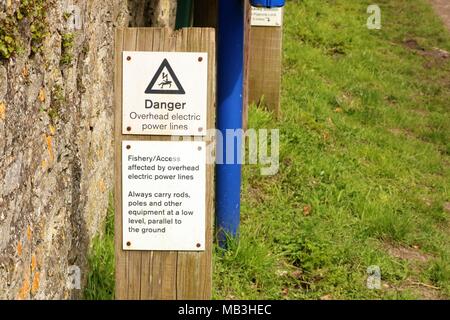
pixel 163 220
pixel 266 38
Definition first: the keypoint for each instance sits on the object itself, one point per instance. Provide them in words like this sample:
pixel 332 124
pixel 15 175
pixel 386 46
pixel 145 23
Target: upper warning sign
pixel 165 93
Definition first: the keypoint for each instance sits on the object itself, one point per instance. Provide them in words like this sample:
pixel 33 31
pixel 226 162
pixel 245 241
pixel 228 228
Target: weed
pixel 31 16
pixel 67 43
pixel 100 285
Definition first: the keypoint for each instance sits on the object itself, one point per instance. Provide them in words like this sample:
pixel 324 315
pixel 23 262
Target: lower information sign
pixel 163 185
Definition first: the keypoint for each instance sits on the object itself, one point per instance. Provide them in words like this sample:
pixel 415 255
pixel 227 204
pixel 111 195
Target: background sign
pixel 165 93
pixel 164 195
pixel 267 17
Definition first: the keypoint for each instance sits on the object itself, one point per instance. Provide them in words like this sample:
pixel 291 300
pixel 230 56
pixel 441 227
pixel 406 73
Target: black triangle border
pixel 165 64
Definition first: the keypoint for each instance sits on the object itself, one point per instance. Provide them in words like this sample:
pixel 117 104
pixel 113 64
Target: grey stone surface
pixel 56 154
pixel 3 82
pixel 160 13
pixel 56 142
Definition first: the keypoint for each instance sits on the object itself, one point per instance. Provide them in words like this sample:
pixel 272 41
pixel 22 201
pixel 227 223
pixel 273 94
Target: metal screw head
pixel 199 148
pixel 128 244
pixel 200 59
pixel 128 58
pixel 128 128
pixel 200 129
pixel 198 245
pixel 128 147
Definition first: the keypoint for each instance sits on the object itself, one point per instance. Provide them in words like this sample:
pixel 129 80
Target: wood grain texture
pixel 121 259
pixel 161 275
pixel 265 67
pixel 247 41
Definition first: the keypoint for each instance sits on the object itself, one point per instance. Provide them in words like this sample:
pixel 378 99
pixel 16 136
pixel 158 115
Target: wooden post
pixel 247 42
pixel 156 275
pixel 265 67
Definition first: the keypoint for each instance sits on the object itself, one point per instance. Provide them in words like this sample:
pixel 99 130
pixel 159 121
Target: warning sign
pixel 165 93
pixel 165 81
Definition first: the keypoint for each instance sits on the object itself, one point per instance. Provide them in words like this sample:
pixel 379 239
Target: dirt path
pixel 442 7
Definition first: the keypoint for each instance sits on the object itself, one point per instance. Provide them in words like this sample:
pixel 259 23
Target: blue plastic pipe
pixel 229 115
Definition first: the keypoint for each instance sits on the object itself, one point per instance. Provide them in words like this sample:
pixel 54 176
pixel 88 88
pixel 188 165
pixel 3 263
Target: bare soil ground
pixel 442 7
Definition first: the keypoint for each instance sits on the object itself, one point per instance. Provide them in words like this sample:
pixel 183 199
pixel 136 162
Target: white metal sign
pixel 164 200
pixel 165 93
pixel 267 17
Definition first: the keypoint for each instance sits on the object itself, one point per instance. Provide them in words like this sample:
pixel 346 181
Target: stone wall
pixel 56 129
pixel 156 13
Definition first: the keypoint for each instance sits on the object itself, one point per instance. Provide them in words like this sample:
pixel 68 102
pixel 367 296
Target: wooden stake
pixel 247 43
pixel 156 275
pixel 265 67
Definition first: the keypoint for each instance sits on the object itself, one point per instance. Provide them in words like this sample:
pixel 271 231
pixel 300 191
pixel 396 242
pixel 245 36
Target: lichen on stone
pixel 24 25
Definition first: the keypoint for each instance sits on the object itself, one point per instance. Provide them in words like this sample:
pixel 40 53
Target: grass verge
pixel 364 164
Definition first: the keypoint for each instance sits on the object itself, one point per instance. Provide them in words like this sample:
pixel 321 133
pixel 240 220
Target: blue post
pixel 229 114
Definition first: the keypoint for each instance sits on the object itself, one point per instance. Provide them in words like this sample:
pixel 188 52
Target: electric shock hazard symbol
pixel 165 81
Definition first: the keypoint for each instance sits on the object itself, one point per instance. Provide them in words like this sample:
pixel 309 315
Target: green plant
pixel 100 285
pixel 8 41
pixel 30 15
pixel 57 101
pixel 364 148
pixel 67 43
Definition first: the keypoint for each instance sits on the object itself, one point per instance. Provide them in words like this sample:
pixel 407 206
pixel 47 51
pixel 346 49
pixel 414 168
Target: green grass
pixel 365 144
pixel 100 284
pixel 364 164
